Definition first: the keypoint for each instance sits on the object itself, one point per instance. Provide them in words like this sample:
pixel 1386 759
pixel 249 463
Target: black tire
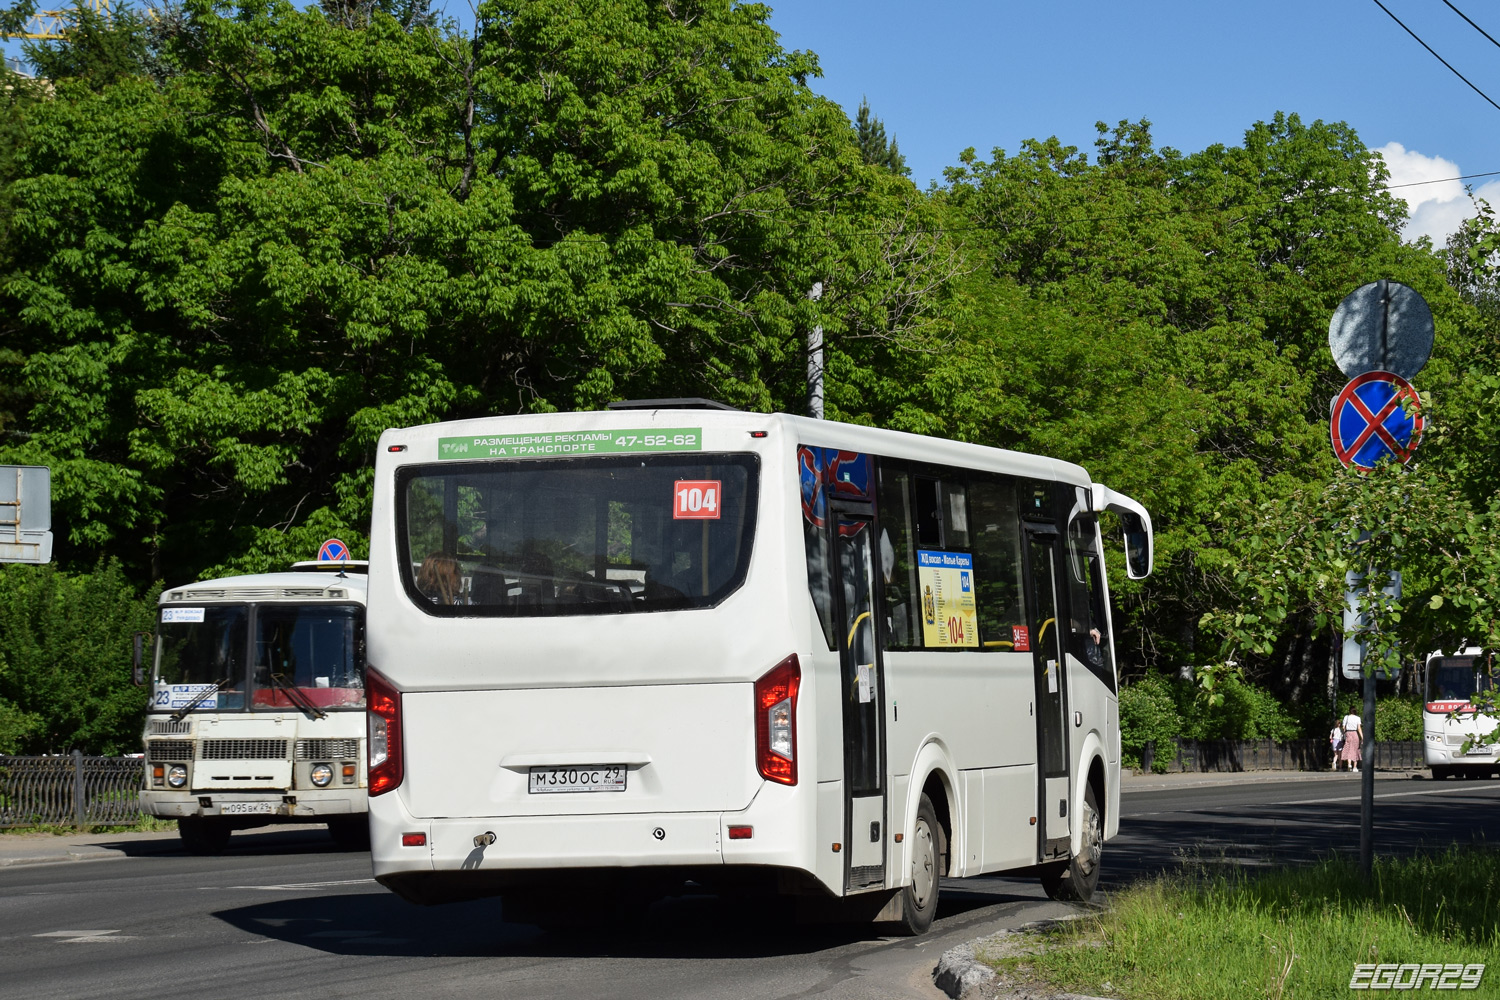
pixel 1075 880
pixel 350 833
pixel 203 835
pixel 929 861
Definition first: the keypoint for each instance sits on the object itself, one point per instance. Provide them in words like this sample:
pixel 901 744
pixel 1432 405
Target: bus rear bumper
pixel 457 859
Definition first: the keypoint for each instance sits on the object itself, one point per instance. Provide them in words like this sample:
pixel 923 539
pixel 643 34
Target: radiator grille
pixel 252 593
pixel 1455 739
pixel 327 749
pixel 169 727
pixel 242 750
pixel 169 749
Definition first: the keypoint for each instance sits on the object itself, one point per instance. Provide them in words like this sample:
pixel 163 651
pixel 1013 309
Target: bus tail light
pixel 776 722
pixel 384 723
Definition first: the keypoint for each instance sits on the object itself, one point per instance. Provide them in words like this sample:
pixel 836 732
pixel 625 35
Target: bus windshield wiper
pixel 296 697
pixel 200 698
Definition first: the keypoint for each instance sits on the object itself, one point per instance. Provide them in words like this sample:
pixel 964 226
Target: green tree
pixel 225 281
pixel 65 660
pixel 877 150
pixel 1161 318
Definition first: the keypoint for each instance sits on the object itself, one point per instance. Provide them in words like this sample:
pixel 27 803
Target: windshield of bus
pixel 583 536
pixel 1455 678
pixel 316 649
pixel 197 648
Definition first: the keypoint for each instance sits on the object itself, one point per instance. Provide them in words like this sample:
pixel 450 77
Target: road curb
pixel 959 971
pixel 1158 783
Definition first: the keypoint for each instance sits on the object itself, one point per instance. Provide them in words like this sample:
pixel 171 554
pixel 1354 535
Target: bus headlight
pixel 322 774
pixel 177 776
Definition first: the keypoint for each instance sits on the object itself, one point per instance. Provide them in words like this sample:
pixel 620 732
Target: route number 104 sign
pixel 696 499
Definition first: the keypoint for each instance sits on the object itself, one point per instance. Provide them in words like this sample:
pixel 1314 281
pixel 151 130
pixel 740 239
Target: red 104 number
pixel 696 499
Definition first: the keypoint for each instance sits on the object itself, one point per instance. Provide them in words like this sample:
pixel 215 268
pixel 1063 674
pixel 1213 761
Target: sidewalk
pixel 47 848
pixel 1130 782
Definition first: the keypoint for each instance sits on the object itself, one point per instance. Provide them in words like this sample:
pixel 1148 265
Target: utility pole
pixel 815 360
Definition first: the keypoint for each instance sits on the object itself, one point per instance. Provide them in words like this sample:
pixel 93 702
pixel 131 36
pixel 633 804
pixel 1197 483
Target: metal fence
pixel 1270 755
pixel 70 791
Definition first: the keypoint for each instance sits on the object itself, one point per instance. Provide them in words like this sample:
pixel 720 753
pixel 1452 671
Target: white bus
pixel 661 646
pixel 257 711
pixel 1451 681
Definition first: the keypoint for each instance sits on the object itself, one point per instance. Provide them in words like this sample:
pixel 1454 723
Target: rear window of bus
pixel 579 536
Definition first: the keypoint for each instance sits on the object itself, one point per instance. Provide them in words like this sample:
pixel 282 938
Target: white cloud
pixel 1437 203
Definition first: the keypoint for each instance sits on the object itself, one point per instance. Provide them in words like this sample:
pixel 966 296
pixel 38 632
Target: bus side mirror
pixel 1135 523
pixel 138 660
pixel 1137 546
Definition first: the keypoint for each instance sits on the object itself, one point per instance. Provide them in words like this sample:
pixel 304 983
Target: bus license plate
pixel 577 778
pixel 245 808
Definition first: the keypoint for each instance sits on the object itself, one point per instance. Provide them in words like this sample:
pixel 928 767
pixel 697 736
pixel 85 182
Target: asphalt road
pixel 284 914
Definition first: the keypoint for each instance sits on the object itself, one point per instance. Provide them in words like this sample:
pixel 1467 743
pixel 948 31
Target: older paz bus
pixel 257 705
pixel 615 653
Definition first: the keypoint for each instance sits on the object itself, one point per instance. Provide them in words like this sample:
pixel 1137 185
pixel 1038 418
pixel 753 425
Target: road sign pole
pixel 1367 779
pixel 1380 337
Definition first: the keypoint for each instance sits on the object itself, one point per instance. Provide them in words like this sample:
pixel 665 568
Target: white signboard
pixel 1355 624
pixel 182 695
pixel 25 513
pixel 181 615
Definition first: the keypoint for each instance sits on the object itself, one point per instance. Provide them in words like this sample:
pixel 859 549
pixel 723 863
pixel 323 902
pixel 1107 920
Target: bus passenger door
pixel 1051 706
pixel 863 695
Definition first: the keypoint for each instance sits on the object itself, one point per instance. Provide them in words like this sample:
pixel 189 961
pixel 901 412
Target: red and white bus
pixel 1449 720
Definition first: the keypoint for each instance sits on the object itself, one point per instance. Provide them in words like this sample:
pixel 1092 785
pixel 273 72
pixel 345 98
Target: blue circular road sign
pixel 1376 416
pixel 333 550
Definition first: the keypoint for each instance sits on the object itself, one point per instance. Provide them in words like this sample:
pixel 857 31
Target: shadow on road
pixel 263 841
pixel 380 923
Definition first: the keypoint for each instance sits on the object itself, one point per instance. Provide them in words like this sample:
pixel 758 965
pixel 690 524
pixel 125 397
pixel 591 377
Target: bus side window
pixel 928 508
pixel 897 556
pixel 1088 632
pixel 995 527
pixel 820 575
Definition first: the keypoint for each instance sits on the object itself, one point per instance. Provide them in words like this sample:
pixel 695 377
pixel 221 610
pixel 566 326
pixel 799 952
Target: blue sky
pixel 948 74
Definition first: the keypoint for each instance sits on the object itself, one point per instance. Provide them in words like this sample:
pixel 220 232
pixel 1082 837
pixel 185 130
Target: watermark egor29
pixel 1431 976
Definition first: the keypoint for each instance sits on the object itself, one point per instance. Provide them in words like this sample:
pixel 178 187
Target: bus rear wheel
pixel 1075 879
pixel 203 835
pixel 929 854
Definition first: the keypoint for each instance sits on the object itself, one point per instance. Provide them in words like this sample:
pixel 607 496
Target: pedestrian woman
pixel 1354 732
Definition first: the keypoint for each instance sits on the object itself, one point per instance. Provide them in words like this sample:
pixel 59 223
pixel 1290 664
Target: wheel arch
pixel 1096 776
pixel 933 775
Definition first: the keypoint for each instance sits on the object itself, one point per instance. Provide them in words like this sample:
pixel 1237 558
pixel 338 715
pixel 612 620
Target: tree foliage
pixel 65 660
pixel 240 240
pixel 227 280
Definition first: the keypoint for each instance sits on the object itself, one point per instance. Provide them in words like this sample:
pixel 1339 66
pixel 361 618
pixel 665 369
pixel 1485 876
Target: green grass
pixel 146 824
pixel 1287 933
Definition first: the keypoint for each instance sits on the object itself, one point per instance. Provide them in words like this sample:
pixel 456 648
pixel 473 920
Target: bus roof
pixel 282 587
pixel 423 444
